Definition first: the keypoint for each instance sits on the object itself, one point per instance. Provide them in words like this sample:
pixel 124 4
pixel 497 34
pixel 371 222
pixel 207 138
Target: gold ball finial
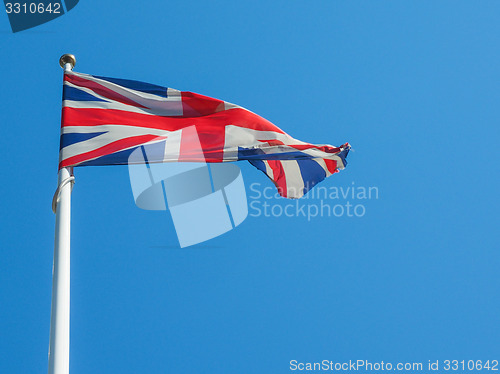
pixel 67 59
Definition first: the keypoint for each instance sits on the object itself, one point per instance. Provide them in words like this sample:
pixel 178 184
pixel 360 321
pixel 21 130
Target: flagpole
pixel 59 316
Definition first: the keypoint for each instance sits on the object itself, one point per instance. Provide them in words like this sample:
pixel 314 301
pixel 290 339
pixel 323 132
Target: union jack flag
pixel 105 119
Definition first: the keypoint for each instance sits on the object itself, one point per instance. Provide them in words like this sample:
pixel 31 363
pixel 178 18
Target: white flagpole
pixel 59 316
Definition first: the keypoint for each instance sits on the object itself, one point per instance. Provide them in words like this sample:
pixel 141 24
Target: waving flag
pixel 105 119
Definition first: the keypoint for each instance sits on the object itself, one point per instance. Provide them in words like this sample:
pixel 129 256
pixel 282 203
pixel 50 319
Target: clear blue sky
pixel 413 86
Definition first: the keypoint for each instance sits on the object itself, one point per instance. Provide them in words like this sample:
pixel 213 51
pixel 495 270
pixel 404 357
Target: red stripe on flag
pixel 302 147
pixel 195 105
pixel 278 176
pixel 108 149
pixel 100 90
pixel 96 116
pixel 331 165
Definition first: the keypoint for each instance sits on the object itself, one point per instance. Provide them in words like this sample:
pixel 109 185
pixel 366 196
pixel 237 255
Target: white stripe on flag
pixel 294 181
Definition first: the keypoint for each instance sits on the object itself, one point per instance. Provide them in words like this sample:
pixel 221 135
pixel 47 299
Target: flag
pixel 105 119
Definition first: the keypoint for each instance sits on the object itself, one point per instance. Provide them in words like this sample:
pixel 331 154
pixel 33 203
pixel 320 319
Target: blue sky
pixel 413 86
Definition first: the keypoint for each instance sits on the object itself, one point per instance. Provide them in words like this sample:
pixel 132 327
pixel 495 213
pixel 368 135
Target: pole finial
pixel 67 59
